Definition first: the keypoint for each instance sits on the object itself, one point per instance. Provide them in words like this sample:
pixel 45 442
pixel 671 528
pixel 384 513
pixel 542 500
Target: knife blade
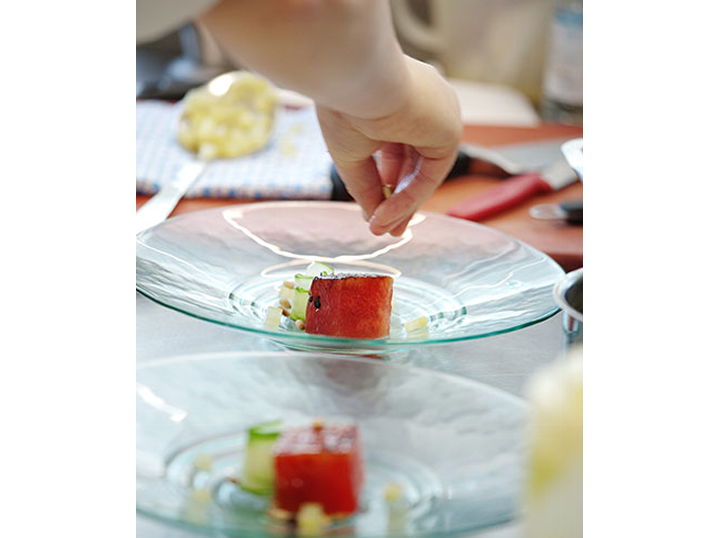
pixel 507 160
pixel 161 205
pixel 515 190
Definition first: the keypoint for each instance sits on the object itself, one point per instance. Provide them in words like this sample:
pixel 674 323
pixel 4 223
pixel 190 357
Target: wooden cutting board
pixel 561 241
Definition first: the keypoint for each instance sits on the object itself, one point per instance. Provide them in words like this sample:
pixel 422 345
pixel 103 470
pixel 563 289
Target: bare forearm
pixel 341 53
pixel 372 100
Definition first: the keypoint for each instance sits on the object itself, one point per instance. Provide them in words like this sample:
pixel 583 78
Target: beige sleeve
pixel 156 18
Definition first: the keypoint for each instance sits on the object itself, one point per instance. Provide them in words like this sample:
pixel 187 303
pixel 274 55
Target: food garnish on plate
pixel 314 473
pixel 321 301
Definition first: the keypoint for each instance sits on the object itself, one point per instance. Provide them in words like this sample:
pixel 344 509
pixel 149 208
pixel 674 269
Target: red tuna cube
pixel 350 306
pixel 319 464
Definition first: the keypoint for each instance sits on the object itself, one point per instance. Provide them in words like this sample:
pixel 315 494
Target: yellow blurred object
pixel 311 520
pixel 417 323
pixel 203 462
pixel 554 489
pixel 232 115
pixel 393 492
pixel 273 317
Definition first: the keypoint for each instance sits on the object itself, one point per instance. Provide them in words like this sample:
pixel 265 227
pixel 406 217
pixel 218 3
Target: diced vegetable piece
pixel 416 323
pixel 299 304
pixel 258 474
pixel 303 281
pixel 266 430
pixel 397 509
pixel 311 520
pixel 203 462
pixel 273 317
pixel 319 269
pixel 296 292
pixel 286 293
pixel 393 492
pixel 350 306
pixel 319 464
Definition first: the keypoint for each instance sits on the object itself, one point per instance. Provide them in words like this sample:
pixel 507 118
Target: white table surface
pixel 503 361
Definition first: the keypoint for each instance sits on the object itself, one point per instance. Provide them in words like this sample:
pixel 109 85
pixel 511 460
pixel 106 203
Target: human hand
pixel 416 145
pixel 370 97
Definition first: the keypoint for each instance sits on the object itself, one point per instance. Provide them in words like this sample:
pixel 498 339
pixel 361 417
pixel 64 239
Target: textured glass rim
pixel 350 343
pixel 320 356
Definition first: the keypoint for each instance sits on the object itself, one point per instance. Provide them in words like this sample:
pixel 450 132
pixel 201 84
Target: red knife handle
pixel 508 194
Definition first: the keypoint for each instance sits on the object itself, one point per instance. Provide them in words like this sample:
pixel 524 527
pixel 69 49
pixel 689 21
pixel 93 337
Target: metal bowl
pixel 568 294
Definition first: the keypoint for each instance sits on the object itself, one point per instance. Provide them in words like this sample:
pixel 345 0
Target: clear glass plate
pixel 226 265
pixel 454 445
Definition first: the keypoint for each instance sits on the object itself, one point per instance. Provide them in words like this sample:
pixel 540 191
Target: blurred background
pixel 512 62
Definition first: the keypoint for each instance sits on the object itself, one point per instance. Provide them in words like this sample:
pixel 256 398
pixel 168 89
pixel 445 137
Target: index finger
pixel 362 181
pixel 412 190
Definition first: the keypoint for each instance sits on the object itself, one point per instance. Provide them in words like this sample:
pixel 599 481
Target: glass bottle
pixel 563 78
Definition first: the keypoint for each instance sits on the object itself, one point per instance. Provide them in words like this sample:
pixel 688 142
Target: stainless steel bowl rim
pixel 561 289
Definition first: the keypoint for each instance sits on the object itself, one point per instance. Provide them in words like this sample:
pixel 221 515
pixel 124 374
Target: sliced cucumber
pixel 258 474
pixel 303 281
pixel 299 304
pixel 319 269
pixel 266 430
pixel 300 293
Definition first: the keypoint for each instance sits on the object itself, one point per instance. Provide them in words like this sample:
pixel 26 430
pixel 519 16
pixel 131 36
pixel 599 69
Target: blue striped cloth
pixel 294 165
